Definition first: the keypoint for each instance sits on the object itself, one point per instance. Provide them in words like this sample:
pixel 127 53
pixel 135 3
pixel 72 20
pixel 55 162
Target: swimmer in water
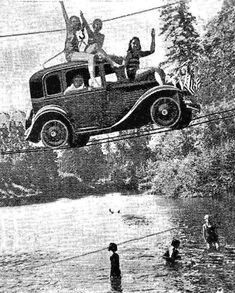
pixel 172 253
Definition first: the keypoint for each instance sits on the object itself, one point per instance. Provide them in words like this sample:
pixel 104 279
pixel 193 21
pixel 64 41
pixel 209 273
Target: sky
pixel 21 56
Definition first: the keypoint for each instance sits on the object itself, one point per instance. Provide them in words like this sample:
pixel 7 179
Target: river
pixel 44 246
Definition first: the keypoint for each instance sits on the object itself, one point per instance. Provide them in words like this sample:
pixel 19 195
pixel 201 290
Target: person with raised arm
pixel 96 40
pixel 134 53
pixel 72 44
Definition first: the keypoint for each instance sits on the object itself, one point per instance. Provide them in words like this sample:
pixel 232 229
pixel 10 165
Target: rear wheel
pixel 165 112
pixel 54 134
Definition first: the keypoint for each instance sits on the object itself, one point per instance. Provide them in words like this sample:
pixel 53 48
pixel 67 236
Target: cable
pixel 142 11
pixel 106 20
pixel 157 131
pixel 102 249
pixel 120 137
pixel 215 113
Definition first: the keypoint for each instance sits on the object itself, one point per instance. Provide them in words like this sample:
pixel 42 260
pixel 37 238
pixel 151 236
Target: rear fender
pixel 44 114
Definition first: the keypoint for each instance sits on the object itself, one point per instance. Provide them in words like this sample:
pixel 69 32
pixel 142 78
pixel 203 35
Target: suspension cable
pixel 105 20
pixel 154 132
pixel 102 249
pixel 214 113
pixel 114 139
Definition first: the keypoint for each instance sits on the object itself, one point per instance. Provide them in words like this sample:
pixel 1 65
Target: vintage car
pixel 115 104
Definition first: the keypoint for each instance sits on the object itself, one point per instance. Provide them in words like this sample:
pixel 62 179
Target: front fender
pixel 43 115
pixel 144 102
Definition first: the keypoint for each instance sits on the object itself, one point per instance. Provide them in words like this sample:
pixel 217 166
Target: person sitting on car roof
pixel 77 84
pixel 134 53
pixel 72 44
pixel 96 40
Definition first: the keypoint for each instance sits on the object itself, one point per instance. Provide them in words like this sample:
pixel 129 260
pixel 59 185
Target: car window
pixel 84 73
pixel 70 74
pixel 36 89
pixel 53 85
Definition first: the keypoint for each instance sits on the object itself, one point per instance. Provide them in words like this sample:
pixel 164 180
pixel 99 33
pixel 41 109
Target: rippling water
pixel 35 241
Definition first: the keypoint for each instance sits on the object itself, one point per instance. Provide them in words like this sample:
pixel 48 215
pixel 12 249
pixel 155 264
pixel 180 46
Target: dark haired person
pixel 172 253
pixel 114 259
pixel 134 53
pixel 115 272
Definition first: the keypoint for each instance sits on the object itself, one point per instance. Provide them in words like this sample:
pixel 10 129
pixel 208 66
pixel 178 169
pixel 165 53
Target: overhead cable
pixel 105 20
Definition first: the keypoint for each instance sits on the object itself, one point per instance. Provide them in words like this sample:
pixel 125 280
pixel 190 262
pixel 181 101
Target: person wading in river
pixel 115 272
pixel 210 234
pixel 172 253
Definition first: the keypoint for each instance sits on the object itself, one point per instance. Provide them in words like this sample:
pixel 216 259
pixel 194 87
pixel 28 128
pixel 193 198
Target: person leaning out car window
pixel 77 84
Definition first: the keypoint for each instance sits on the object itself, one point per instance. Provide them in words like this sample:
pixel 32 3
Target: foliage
pixel 181 37
pixel 199 160
pixel 217 68
pixel 86 163
pixel 127 160
pixel 32 172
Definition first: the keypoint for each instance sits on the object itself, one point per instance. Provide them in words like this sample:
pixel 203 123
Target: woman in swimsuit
pixel 96 40
pixel 72 52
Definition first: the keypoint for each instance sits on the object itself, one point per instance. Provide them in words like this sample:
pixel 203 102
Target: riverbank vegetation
pixel 196 161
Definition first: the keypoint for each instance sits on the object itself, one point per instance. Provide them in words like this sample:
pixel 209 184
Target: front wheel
pixel 54 134
pixel 165 112
pixel 185 119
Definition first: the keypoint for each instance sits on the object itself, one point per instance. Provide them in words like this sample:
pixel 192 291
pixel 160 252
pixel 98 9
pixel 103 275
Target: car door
pixel 84 107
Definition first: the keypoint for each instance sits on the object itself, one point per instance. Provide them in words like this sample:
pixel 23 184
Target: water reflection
pixel 116 284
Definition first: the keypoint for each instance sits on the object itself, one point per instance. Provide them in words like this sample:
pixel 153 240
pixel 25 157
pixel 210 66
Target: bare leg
pixel 106 56
pixel 84 56
pixel 145 74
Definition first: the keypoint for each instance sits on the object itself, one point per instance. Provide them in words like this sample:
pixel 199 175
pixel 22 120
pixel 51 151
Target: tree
pixel 88 163
pixel 182 39
pixel 217 67
pixel 128 160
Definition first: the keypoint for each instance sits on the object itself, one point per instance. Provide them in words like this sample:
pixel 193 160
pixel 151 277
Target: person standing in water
pixel 210 234
pixel 115 272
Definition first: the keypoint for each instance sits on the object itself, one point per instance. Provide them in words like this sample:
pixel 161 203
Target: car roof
pixel 39 74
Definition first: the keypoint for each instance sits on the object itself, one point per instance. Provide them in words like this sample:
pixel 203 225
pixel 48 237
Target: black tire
pixel 165 112
pixel 185 119
pixel 54 134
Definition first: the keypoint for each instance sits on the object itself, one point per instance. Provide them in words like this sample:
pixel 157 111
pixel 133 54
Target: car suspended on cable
pixel 58 118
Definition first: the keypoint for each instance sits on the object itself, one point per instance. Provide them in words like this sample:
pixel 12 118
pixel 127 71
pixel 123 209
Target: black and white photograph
pixel 117 146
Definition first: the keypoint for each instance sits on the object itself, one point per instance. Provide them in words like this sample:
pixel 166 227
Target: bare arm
pixel 65 15
pixel 204 232
pixel 86 25
pixel 126 60
pixel 152 46
pixel 170 251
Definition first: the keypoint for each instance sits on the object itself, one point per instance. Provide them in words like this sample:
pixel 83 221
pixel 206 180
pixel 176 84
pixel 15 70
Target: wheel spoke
pixel 165 112
pixel 54 134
